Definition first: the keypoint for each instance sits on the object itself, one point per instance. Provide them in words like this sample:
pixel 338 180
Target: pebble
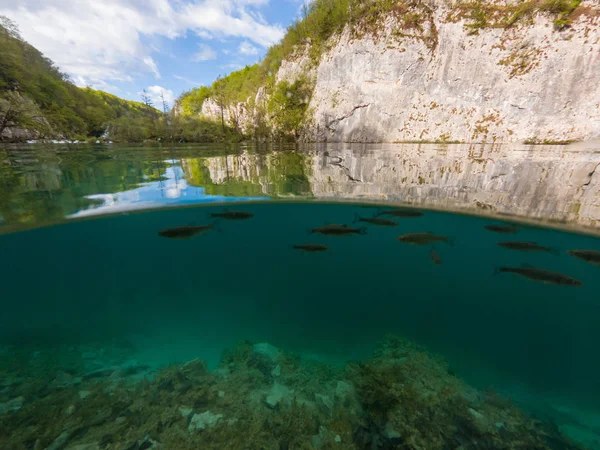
pixel 390 432
pixel 184 411
pixel 276 371
pixel 205 420
pixel 60 441
pixel 343 389
pixel 479 420
pixel 93 446
pixel 324 402
pixel 84 394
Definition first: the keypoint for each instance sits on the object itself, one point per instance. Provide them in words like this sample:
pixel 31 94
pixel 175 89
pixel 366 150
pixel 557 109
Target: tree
pixel 18 111
pixel 146 100
pixel 10 28
pixel 219 92
pixel 288 104
pixel 164 102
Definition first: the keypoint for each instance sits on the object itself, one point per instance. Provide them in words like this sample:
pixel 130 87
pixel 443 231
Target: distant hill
pixel 36 99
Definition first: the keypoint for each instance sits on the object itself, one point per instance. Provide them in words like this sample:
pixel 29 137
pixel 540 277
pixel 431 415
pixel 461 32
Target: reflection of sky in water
pixel 173 191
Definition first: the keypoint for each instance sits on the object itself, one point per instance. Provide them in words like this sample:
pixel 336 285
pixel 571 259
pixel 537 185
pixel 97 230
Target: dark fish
pixel 185 232
pixel 542 276
pixel 590 256
pixel 338 230
pixel 526 247
pixel 401 213
pixel 381 221
pixel 435 257
pixel 233 215
pixel 423 239
pixel 311 248
pixel 504 229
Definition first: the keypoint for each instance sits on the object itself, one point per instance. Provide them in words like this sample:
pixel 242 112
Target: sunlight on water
pixel 270 325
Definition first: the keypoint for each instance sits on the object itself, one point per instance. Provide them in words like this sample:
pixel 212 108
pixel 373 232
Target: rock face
pixel 14 134
pixel 447 81
pixel 526 82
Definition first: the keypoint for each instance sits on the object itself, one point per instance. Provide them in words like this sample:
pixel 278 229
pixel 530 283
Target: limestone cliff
pixel 432 73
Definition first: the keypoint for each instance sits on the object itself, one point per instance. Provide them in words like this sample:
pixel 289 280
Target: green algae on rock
pixel 262 397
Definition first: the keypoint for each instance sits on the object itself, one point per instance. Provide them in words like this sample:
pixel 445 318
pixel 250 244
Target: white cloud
pixel 204 53
pixel 154 92
pixel 232 66
pixel 246 48
pixel 152 65
pixel 104 41
pixel 187 80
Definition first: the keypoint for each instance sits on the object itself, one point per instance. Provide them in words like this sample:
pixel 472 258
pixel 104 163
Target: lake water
pixel 369 344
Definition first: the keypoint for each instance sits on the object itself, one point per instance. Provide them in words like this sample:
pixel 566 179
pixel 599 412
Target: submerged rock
pixel 267 350
pixel 202 421
pixel 278 394
pixel 64 380
pixel 12 405
pixel 324 402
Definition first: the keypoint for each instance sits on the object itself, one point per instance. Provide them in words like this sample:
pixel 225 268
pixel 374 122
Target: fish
pixel 311 248
pixel 503 229
pixel 589 256
pixel 338 230
pixel 186 232
pixel 526 247
pixel 233 215
pixel 541 275
pixel 435 257
pixel 401 213
pixel 424 239
pixel 381 221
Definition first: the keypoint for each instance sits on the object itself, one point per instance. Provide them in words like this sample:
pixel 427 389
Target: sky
pixel 163 46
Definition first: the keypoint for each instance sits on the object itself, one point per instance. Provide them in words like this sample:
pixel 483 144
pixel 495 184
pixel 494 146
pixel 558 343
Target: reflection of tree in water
pixel 49 184
pixel 283 173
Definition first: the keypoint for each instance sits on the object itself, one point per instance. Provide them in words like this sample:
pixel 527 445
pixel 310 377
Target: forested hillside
pixel 35 95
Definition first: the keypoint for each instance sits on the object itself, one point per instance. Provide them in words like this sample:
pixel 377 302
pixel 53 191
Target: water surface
pixel 79 293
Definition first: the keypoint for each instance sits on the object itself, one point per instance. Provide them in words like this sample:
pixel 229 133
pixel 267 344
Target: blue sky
pixel 170 46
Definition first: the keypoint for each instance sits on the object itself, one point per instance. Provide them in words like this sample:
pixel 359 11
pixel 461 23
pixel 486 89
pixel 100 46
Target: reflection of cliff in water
pixel 549 182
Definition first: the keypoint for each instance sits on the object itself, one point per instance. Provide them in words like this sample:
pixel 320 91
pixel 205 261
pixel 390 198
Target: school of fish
pixel 420 238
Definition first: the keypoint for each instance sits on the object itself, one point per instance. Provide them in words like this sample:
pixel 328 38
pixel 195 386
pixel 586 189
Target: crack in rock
pixel 347 116
pixel 591 175
pixel 346 171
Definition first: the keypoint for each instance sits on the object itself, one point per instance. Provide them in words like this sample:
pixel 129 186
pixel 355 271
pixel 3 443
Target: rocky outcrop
pixel 443 78
pixel 524 82
pixel 15 134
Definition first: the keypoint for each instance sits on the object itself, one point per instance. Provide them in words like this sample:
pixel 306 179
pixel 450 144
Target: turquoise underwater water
pixel 115 277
